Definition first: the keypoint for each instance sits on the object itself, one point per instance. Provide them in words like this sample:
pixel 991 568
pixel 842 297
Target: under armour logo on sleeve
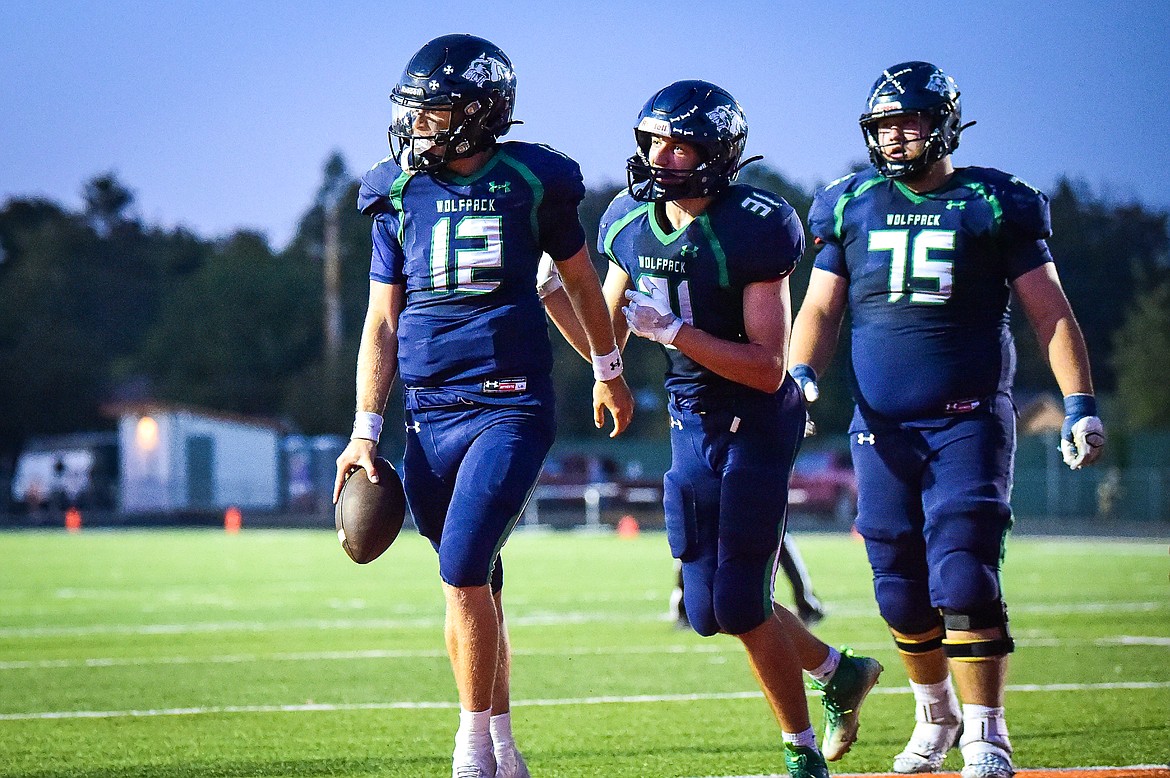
pixel 863 439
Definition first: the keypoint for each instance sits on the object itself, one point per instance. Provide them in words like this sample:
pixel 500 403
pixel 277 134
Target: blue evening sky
pixel 220 115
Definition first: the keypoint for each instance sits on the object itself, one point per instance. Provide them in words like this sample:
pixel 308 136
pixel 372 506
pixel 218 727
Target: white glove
pixel 548 278
pixel 1086 444
pixel 806 379
pixel 1082 436
pixel 650 316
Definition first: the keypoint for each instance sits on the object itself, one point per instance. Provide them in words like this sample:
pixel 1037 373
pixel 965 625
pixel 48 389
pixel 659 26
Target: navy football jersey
pixel 746 235
pixel 467 250
pixel 929 282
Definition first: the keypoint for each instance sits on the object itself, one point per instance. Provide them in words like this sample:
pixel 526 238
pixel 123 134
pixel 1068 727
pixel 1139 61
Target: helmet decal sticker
pixel 485 68
pixel 726 120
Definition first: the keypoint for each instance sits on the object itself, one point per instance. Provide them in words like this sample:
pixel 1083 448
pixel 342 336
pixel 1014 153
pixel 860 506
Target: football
pixel 369 516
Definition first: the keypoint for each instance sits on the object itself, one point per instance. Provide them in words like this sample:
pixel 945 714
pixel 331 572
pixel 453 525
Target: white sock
pixel 501 729
pixel 806 739
pixel 474 733
pixel 982 725
pixel 825 670
pixel 935 703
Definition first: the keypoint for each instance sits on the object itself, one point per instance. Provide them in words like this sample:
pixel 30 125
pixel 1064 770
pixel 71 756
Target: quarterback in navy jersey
pixel 460 222
pixel 925 257
pixel 701 265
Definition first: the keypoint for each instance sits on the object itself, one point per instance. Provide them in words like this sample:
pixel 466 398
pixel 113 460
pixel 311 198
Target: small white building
pixel 176 458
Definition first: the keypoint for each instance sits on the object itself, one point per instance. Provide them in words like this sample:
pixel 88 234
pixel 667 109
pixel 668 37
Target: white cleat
pixel 474 766
pixel 928 747
pixel 987 760
pixel 511 765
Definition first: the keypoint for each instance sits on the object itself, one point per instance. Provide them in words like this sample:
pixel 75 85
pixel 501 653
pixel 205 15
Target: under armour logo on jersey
pixel 676 423
pixel 960 204
pixel 494 187
pixel 415 427
pixel 863 439
pixel 689 251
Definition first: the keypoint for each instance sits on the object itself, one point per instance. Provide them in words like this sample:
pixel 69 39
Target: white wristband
pixel 366 426
pixel 608 367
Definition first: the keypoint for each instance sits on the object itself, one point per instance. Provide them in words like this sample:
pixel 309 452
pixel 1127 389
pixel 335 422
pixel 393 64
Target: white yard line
pixel 438 653
pixel 535 618
pixel 451 705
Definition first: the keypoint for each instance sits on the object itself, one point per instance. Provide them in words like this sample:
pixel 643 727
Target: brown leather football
pixel 369 516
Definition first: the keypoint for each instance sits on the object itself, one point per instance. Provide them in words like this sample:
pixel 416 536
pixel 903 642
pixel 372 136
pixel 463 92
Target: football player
pixel 700 265
pixel 924 256
pixel 460 221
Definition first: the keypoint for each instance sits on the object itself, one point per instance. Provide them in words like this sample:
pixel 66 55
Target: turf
pixel 269 653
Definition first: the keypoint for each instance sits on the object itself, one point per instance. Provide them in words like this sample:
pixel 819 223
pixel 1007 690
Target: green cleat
pixel 804 762
pixel 843 695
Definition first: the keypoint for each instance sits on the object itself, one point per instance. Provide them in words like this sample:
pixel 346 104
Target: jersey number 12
pixel 455 271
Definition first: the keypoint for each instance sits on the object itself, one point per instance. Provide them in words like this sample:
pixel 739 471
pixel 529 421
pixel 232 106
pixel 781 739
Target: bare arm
pixel 377 364
pixel 560 310
pixel 759 363
pixel 818 324
pixel 584 293
pixel 1042 297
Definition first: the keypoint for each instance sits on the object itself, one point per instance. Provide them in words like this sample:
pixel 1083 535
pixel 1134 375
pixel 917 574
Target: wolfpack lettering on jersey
pixel 467 250
pixel 746 235
pixel 930 277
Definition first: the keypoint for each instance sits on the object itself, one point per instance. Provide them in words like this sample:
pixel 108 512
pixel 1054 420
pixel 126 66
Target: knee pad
pixel 991 617
pixel 904 604
pixel 966 583
pixel 742 596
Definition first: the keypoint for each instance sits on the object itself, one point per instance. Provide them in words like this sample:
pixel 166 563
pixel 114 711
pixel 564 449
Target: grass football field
pixel 269 653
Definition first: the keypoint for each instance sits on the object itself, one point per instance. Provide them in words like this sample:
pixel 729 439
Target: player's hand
pixel 649 315
pixel 1082 437
pixel 806 379
pixel 359 453
pixel 615 396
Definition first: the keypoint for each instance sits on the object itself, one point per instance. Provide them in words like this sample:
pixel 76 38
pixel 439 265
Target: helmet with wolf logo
pixel 699 113
pixel 914 88
pixel 454 99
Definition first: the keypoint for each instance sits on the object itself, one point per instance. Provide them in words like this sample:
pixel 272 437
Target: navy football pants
pixel 933 507
pixel 726 497
pixel 468 472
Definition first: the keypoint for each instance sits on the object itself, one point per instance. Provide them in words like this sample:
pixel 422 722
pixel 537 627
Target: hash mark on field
pixel 452 705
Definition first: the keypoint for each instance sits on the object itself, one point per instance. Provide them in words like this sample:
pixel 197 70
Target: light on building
pixel 146 434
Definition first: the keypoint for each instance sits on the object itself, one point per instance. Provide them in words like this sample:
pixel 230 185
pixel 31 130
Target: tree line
pixel 99 306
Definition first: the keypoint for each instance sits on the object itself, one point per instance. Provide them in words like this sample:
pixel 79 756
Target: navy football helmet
pixel 454 99
pixel 914 88
pixel 699 113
